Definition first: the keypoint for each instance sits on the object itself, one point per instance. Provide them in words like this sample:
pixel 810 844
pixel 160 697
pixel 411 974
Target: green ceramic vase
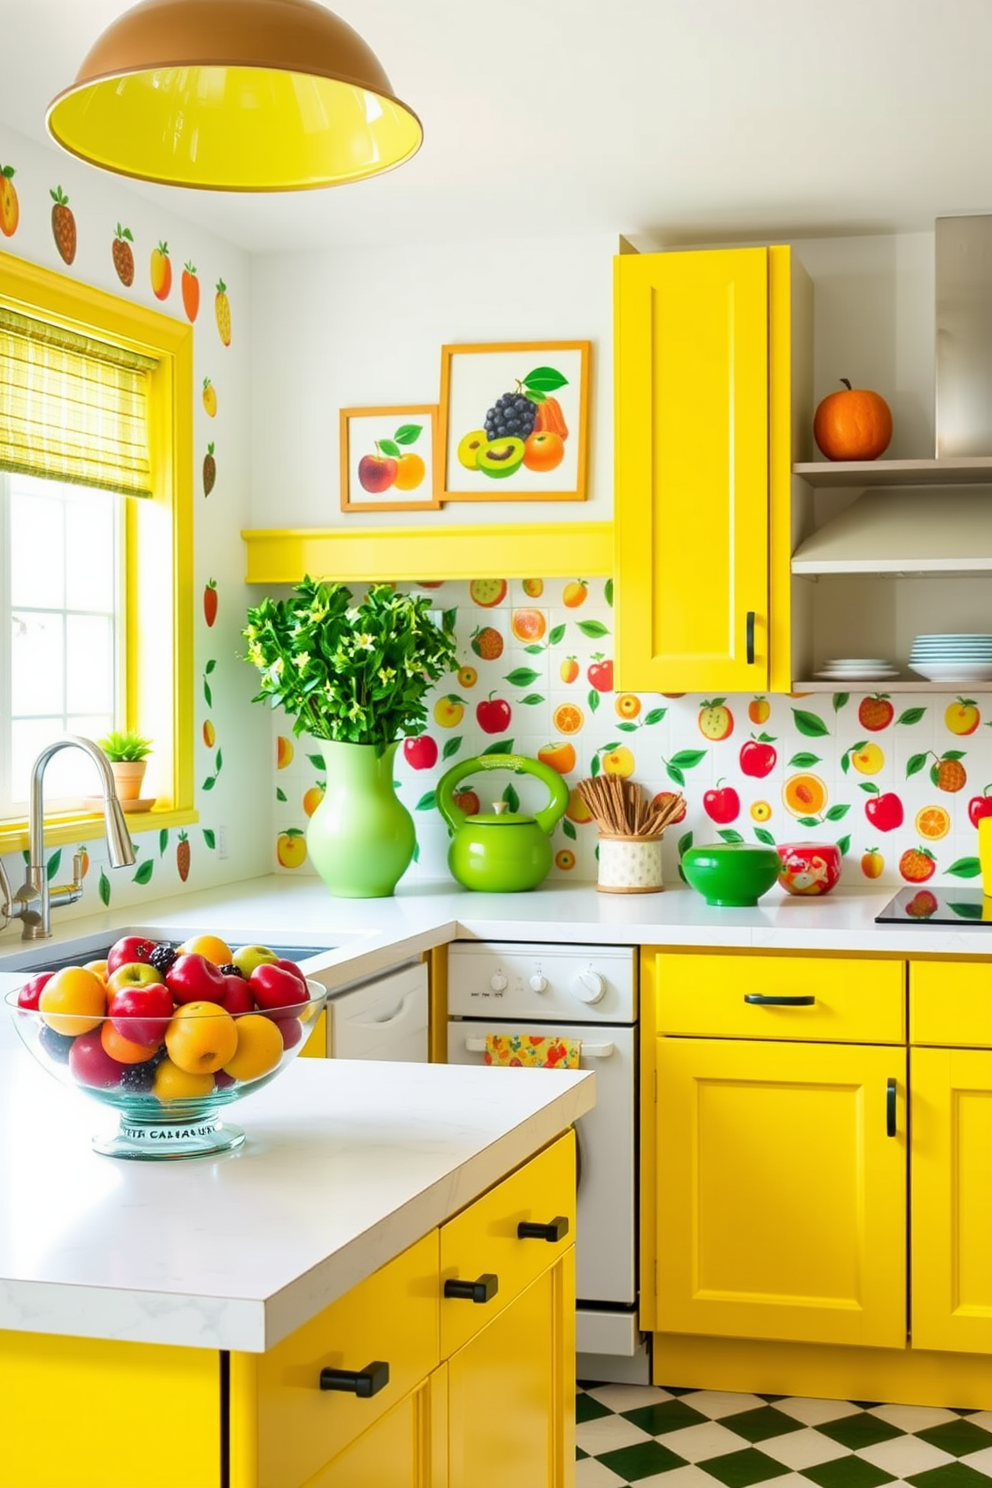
pixel 361 838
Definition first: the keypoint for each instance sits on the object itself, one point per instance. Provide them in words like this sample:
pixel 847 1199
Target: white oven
pixel 586 993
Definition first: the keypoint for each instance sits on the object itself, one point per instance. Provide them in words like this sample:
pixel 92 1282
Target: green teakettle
pixel 500 852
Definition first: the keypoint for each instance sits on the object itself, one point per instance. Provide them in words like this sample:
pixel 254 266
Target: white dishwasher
pixel 381 1018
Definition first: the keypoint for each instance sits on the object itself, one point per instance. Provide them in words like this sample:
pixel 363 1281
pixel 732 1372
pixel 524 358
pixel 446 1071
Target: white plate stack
pixel 952 658
pixel 858 669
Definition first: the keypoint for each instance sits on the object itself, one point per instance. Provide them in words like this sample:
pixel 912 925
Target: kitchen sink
pixel 48 957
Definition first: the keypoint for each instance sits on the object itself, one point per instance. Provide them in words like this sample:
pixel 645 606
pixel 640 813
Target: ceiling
pixel 677 121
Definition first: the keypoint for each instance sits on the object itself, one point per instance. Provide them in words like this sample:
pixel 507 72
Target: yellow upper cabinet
pixel 703 452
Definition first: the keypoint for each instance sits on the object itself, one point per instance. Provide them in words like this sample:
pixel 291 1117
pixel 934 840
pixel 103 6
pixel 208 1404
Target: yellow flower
pixel 386 674
pixel 364 642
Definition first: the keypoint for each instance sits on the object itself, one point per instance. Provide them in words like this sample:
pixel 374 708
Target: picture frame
pixel 550 373
pixel 382 437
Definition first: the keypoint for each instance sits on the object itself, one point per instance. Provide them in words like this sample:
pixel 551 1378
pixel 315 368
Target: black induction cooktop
pixel 946 906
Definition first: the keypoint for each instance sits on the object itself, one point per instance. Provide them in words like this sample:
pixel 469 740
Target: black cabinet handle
pixel 483 1290
pixel 553 1232
pixel 363 1382
pixel 749 634
pixel 890 1108
pixel 758 999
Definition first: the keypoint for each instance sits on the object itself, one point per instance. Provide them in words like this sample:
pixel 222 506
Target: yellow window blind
pixel 73 408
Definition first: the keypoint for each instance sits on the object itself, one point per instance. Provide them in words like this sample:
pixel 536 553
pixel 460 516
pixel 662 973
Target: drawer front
pixel 392 1316
pixel 484 1240
pixel 853 1000
pixel 950 1002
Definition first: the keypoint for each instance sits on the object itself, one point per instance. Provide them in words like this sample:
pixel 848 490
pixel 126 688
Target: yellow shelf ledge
pixel 543 549
pixel 83 827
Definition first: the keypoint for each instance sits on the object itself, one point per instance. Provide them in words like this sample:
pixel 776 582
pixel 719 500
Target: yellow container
pixel 985 853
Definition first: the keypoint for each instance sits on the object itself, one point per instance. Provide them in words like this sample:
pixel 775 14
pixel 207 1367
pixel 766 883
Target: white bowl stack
pixel 952 658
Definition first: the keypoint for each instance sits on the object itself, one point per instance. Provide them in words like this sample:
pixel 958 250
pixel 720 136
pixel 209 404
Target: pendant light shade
pixel 234 95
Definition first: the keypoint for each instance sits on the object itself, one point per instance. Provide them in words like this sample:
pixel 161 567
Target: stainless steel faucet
pixel 34 901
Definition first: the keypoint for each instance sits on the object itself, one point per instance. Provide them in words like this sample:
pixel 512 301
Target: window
pixel 96 587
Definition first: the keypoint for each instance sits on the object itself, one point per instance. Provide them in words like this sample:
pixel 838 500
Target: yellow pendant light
pixel 234 95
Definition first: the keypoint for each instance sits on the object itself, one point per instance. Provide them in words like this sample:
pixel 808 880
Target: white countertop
pixel 345 1165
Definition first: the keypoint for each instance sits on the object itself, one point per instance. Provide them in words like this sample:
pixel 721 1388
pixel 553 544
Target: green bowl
pixel 731 874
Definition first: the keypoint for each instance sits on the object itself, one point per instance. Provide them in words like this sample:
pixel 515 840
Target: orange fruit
pixel 932 823
pixel 804 795
pixel 872 863
pixel 577 810
pixel 560 757
pixel 543 450
pixel 758 710
pixel 410 471
pixel 565 859
pixel 528 625
pixel 73 1001
pixel 569 669
pixel 568 718
pixel 575 593
pixel 209 946
pixel 917 865
pixel 627 705
pixel 284 752
pixel 312 799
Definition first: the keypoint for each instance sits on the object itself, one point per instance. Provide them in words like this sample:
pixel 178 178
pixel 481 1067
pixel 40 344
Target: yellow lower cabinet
pixel 951 1179
pixel 511 1391
pixel 406 1448
pixel 781 1191
pixel 95 1413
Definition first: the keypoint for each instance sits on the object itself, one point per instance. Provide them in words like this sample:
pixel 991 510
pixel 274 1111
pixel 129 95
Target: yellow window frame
pixel 158 536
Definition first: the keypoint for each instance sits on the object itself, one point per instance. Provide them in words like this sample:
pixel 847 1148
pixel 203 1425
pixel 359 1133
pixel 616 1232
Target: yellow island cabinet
pixel 817 1174
pixel 445 1358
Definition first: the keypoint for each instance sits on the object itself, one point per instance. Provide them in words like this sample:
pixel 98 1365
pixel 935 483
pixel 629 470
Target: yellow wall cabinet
pixel 475 1323
pixel 806 1129
pixel 703 359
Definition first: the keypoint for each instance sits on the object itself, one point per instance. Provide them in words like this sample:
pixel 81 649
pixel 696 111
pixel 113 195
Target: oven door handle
pixel 589 1051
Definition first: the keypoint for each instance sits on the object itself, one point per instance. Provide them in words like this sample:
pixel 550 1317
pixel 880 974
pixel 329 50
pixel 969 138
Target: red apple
pixel 493 715
pixel 723 805
pixel 600 676
pixel 758 757
pixel 222 1080
pixel 293 967
pixel 237 996
pixel 274 988
pixel 884 811
pixel 980 806
pixel 129 948
pixel 192 978
pixel 420 753
pixel 468 802
pixel 90 1063
pixel 31 991
pixel 141 1013
pixel 291 1030
pixel 377 472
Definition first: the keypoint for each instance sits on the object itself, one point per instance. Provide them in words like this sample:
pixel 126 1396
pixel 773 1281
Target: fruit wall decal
pixel 123 256
pixel 190 288
pixel 210 602
pixel 222 313
pixel 183 856
pixel 209 398
pixel 209 470
pixel 10 210
pixel 291 848
pixel 63 225
pixel 160 271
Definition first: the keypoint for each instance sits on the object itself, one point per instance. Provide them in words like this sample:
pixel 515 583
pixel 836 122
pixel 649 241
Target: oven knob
pixel 588 986
pixel 498 982
pixel 538 982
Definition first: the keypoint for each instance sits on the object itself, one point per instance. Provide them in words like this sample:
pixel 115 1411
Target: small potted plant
pixel 127 752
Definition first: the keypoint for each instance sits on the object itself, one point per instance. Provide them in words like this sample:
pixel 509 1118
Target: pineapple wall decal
pixel 63 225
pixel 209 471
pixel 123 256
pixel 222 313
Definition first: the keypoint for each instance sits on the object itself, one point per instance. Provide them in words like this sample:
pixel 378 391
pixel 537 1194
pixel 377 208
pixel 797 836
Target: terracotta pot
pixel 809 867
pixel 128 777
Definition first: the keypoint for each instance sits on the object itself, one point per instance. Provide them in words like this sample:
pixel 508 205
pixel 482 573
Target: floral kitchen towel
pixel 532 1052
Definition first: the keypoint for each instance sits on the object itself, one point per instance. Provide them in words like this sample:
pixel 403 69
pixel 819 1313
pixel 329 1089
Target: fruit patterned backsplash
pixel 899 782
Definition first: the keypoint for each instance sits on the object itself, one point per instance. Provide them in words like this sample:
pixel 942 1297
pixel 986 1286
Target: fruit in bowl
pixel 808 868
pixel 168 1036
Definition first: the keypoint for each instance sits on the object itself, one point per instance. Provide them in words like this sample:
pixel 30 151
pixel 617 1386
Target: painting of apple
pixel 420 753
pixel 884 811
pixel 722 804
pixel 757 756
pixel 493 715
pixel 378 458
pixel 980 806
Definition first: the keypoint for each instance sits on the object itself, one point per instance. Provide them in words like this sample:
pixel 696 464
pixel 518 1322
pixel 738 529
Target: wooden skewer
pixel 619 809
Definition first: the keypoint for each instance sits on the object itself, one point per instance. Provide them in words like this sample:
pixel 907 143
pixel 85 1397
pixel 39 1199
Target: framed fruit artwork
pixel 515 421
pixel 388 459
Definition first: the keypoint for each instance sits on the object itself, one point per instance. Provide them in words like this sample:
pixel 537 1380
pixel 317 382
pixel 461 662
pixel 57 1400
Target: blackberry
pixel 511 415
pixel 56 1045
pixel 163 957
pixel 231 970
pixel 139 1078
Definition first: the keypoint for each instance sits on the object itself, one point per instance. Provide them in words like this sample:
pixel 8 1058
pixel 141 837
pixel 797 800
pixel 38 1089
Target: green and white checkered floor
pixel 672 1438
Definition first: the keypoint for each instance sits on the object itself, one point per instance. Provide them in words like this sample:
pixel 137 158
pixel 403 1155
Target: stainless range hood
pixel 963 366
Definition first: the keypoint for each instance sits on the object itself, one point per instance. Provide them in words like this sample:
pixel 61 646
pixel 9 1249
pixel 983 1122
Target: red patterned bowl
pixel 808 867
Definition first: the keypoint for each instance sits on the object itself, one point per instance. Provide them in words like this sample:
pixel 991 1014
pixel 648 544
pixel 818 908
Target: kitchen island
pixel 166 1324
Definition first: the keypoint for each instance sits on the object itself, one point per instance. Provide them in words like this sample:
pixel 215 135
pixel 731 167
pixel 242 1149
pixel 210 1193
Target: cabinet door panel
pixel 951 1174
pixel 781 1200
pixel 511 1391
pixel 692 496
pixel 407 1448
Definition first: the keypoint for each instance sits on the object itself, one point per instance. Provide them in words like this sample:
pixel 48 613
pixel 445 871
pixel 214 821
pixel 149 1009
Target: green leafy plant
pixel 125 745
pixel 354 674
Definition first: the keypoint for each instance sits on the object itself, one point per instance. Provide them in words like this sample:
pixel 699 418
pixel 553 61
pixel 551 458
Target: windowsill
pixel 83 826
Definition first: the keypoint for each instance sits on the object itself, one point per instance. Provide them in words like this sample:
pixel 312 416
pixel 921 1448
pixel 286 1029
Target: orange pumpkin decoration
pixel 853 425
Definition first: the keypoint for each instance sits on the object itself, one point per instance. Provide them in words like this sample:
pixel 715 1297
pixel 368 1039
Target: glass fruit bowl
pixel 168 1067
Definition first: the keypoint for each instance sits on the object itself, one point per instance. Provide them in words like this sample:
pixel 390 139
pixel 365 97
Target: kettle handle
pixel 520 765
